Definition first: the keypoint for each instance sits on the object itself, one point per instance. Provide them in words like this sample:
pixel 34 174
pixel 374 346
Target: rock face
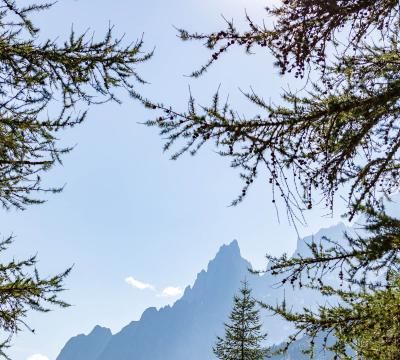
pixel 188 328
pixel 86 347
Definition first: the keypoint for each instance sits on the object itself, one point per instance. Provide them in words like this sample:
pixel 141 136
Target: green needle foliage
pixel 45 87
pixel 373 250
pixel 243 336
pixel 363 314
pixel 363 323
pixel 342 132
pixel 43 84
pixel 22 289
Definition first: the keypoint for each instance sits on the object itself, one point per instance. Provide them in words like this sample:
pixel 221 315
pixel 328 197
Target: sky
pixel 136 226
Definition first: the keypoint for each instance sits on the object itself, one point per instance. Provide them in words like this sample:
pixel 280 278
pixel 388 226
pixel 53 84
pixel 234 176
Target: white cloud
pixel 138 284
pixel 171 291
pixel 38 357
pixel 168 292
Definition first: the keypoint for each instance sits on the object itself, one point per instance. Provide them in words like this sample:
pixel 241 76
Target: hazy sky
pixel 136 226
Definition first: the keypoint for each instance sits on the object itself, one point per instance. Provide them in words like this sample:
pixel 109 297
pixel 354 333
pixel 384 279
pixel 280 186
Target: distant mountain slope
pixel 188 328
pixel 86 347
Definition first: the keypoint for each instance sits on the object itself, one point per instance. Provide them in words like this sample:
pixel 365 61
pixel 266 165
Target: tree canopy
pixel 42 84
pixel 341 132
pixel 45 87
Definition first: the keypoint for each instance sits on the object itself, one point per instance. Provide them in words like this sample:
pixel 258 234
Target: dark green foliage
pixel 42 86
pixel 363 322
pixel 243 336
pixel 45 87
pixel 364 313
pixel 22 289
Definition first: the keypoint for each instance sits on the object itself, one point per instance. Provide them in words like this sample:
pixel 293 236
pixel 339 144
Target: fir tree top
pixel 243 338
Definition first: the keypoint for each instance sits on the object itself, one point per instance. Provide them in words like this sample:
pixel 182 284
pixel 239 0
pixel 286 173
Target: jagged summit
pixel 223 272
pixel 100 330
pixel 231 249
pixel 226 264
pixel 228 256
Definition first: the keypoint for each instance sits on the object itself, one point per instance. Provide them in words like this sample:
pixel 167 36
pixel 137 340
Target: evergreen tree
pixel 339 134
pixel 366 319
pixel 45 87
pixel 243 336
pixel 341 131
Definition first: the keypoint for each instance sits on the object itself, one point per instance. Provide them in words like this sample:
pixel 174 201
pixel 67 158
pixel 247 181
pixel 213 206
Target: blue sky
pixel 137 226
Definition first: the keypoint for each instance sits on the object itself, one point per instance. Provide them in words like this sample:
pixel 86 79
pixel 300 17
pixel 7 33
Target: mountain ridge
pixel 188 328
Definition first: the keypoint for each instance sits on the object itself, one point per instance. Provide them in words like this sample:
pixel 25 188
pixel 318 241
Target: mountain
pixel 86 347
pixel 188 328
pixel 191 323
